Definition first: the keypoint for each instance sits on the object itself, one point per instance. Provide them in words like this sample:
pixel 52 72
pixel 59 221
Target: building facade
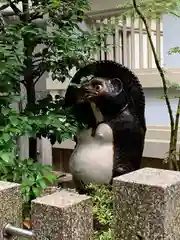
pixel 128 45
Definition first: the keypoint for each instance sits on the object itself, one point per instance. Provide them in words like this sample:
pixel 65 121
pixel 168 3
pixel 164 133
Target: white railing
pixel 129 44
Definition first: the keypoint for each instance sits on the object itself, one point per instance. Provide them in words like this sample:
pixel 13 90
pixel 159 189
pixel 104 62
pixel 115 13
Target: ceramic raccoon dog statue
pixel 110 100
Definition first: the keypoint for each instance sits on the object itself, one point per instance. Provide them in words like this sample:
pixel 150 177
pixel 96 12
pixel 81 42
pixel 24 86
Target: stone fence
pixel 146 207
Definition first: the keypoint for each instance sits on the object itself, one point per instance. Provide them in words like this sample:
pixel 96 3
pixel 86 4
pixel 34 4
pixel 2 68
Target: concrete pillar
pixel 23 144
pixel 62 215
pixel 10 206
pixel 45 151
pixel 147 205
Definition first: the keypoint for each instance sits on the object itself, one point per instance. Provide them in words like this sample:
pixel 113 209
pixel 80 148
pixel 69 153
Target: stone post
pixel 62 215
pixel 10 206
pixel 147 205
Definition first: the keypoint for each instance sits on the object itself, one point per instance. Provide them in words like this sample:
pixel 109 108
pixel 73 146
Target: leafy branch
pixel 160 69
pixel 27 50
pixel 172 159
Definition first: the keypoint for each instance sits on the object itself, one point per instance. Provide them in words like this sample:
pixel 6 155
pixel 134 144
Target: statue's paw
pixel 123 169
pixel 80 186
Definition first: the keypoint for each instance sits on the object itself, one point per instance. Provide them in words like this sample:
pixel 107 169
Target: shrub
pixel 102 198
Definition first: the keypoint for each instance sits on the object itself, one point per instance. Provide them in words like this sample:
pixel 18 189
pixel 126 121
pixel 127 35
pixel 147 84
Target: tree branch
pixel 38 72
pixel 160 69
pixel 177 117
pixel 39 69
pixel 4 7
pixel 25 6
pixel 15 9
pixel 174 137
pixel 2 22
pixel 175 14
pixel 37 79
pixel 23 82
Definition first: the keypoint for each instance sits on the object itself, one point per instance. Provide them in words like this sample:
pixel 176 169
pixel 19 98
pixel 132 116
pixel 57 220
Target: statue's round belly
pixel 92 160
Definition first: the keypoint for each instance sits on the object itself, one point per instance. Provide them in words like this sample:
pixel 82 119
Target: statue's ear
pixel 117 84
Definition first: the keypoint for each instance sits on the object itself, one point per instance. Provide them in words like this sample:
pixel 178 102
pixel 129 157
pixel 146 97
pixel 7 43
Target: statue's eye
pixel 98 87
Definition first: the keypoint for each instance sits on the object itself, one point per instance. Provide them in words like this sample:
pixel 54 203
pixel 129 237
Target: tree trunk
pixel 31 94
pixel 172 154
pixel 28 78
pixel 31 99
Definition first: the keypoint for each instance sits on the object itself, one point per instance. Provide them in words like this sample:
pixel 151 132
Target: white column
pixel 45 151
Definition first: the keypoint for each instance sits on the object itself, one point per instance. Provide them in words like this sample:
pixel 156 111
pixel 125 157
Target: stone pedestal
pixel 10 205
pixel 147 205
pixel 62 216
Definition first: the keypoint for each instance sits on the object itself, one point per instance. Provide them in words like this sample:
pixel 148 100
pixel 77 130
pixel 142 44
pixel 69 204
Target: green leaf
pixel 42 183
pixel 4 111
pixel 36 191
pixel 6 137
pixel 14 120
pixel 6 157
pixel 51 177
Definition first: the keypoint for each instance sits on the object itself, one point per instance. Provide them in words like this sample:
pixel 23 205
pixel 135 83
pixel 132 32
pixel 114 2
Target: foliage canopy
pixel 43 37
